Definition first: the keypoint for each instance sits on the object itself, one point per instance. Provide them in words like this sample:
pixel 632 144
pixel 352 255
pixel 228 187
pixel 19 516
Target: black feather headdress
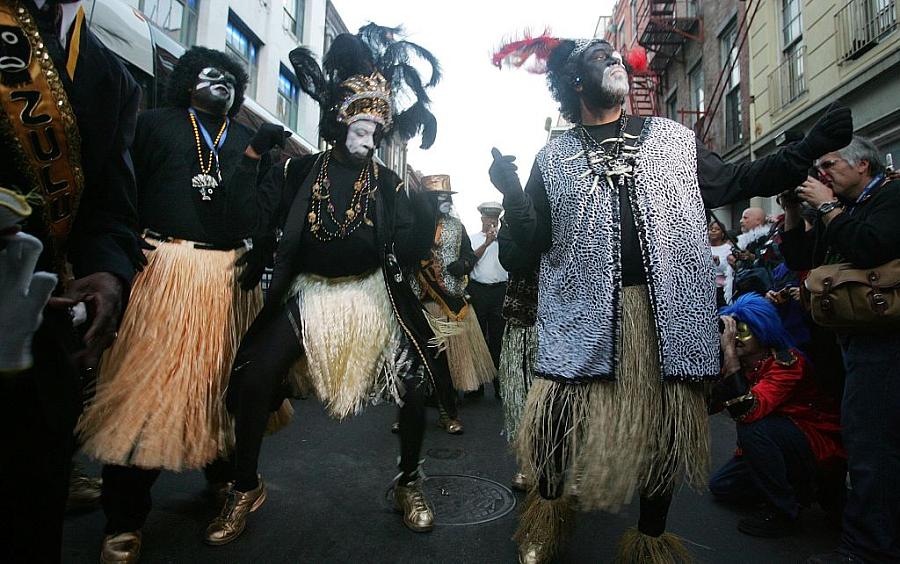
pixel 373 74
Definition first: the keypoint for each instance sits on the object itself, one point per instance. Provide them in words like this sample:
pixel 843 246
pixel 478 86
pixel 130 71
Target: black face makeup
pixel 604 80
pixel 214 91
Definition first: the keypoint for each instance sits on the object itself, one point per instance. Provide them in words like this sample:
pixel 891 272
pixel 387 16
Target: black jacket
pixel 400 242
pixel 105 99
pixel 865 235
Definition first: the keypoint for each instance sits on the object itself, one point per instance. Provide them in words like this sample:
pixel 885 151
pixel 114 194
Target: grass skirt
pixel 159 401
pixel 470 360
pixel 516 374
pixel 606 440
pixel 351 340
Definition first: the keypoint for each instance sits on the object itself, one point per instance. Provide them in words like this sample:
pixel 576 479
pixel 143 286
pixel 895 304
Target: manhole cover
pixel 465 500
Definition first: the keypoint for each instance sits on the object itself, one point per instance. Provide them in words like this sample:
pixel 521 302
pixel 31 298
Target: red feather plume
pixel 517 53
pixel 637 60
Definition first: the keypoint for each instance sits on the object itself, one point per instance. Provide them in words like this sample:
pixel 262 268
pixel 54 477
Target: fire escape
pixel 662 28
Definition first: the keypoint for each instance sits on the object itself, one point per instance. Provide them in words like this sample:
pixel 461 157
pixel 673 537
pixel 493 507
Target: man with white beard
pixel 613 213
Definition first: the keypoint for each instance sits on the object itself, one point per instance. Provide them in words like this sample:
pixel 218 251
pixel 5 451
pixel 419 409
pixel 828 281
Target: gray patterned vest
pixel 579 314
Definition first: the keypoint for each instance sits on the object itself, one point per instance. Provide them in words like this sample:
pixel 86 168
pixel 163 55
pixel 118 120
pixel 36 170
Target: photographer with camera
pixel 788 432
pixel 857 233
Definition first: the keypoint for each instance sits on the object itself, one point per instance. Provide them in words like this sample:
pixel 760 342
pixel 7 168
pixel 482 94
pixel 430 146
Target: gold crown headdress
pixel 370 98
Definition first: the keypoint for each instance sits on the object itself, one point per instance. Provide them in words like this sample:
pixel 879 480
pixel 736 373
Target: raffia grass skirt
pixel 159 401
pixel 351 340
pixel 517 357
pixel 470 360
pixel 605 440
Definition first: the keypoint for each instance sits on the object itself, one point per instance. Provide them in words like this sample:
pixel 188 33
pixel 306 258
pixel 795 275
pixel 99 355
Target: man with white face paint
pixel 159 398
pixel 339 296
pixel 613 213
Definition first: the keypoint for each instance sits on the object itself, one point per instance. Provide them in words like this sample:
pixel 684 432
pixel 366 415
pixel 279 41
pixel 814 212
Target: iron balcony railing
pixel 788 81
pixel 860 24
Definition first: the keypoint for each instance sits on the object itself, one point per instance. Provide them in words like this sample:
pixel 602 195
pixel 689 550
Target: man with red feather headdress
pixel 613 214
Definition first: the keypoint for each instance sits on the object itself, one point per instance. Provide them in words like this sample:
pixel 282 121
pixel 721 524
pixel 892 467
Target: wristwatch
pixel 826 207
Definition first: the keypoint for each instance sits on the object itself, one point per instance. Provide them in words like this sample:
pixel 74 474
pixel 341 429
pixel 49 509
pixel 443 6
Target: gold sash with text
pixel 37 121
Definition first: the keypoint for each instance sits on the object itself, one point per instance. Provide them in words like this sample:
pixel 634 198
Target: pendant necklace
pixel 205 182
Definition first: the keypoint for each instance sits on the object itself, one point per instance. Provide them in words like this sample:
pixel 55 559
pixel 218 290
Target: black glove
pixel 833 131
pixel 255 261
pixel 136 253
pixel 732 386
pixel 267 136
pixel 503 173
pixel 458 268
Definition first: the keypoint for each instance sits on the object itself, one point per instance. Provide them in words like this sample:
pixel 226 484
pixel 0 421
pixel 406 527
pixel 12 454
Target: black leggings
pixel 654 506
pixel 259 371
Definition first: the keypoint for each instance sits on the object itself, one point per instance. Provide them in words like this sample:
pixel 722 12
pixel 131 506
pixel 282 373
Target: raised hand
pixel 833 131
pixel 268 136
pixel 503 173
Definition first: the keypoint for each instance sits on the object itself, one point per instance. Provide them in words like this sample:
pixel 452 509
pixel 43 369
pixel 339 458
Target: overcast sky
pixel 478 106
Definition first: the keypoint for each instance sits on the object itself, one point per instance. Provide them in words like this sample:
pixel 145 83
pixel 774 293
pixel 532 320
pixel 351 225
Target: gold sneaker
pixel 410 501
pixel 519 482
pixel 84 491
pixel 452 425
pixel 124 548
pixel 533 553
pixel 231 521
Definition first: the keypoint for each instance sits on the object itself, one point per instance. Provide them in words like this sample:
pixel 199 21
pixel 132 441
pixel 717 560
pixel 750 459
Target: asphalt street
pixel 328 483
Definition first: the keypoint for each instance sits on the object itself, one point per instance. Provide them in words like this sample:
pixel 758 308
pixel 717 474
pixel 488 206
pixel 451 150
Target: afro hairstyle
pixel 762 318
pixel 194 60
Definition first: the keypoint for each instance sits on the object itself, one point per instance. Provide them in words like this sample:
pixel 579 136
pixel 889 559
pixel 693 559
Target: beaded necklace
pixel 205 182
pixel 357 211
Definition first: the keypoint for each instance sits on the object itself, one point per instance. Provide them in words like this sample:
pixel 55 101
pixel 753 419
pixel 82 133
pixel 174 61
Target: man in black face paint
pixel 158 404
pixel 440 281
pixel 67 117
pixel 613 214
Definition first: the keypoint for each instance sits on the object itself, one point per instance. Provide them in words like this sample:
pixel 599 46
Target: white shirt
pixel 488 269
pixel 69 11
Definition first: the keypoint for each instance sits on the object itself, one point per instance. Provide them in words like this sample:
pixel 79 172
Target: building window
pixel 730 58
pixel 178 18
pixel 293 16
pixel 860 24
pixel 788 81
pixel 698 99
pixel 672 106
pixel 288 98
pixel 242 44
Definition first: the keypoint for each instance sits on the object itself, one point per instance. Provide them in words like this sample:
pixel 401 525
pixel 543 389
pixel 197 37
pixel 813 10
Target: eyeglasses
pixel 825 165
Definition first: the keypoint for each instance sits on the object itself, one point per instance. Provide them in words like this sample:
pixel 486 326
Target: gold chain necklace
pixel 205 182
pixel 322 205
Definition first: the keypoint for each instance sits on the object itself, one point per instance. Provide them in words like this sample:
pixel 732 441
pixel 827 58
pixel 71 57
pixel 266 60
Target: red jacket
pixel 785 387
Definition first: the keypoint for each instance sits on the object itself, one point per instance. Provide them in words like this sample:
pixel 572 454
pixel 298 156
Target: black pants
pixel 126 496
pixel 870 421
pixel 487 299
pixel 38 411
pixel 262 363
pixel 654 506
pixel 777 466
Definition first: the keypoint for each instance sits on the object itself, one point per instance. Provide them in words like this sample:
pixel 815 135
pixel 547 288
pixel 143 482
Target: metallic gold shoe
pixel 84 491
pixel 124 548
pixel 533 553
pixel 218 491
pixel 231 521
pixel 452 425
pixel 410 500
pixel 520 482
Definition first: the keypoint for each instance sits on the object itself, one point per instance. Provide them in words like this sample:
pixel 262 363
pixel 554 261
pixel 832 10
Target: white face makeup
pixel 214 91
pixel 361 138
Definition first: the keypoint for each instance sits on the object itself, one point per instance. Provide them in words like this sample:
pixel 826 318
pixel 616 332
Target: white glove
pixel 23 295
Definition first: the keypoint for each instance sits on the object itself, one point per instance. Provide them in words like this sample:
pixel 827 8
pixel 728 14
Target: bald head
pixel 752 217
